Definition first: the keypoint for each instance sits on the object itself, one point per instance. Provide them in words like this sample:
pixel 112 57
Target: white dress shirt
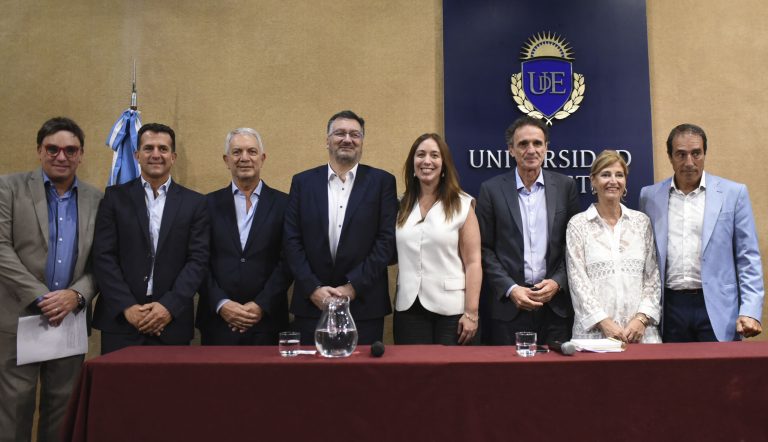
pixel 155 208
pixel 338 197
pixel 612 273
pixel 686 218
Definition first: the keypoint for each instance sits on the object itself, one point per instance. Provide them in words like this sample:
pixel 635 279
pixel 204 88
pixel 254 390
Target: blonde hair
pixel 605 159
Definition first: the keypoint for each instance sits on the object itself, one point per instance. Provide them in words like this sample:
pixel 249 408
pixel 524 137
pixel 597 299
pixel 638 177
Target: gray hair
pixel 243 131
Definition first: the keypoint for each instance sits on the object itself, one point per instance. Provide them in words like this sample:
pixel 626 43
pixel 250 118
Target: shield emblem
pixel 548 83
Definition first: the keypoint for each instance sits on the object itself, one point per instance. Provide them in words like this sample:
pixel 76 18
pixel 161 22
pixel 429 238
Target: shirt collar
pixel 163 188
pixel 592 213
pixel 352 172
pixel 519 181
pixel 256 191
pixel 702 184
pixel 47 181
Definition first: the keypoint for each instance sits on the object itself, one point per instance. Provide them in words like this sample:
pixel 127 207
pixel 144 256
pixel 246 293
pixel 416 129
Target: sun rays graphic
pixel 547 44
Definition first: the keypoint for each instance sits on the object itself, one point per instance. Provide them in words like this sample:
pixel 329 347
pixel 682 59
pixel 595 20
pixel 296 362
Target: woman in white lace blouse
pixel 612 270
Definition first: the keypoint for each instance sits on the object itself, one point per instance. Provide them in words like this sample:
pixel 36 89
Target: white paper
pixel 599 345
pixel 37 341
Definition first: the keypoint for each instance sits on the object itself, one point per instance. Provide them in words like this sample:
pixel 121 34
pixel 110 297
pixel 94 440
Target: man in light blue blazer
pixel 709 258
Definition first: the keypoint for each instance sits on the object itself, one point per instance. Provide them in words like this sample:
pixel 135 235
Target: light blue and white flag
pixel 123 139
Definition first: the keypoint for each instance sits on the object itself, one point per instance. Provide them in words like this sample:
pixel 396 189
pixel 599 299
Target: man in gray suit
pixel 523 215
pixel 46 227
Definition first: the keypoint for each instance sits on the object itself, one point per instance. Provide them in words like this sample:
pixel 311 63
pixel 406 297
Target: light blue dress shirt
pixel 62 235
pixel 533 212
pixel 244 219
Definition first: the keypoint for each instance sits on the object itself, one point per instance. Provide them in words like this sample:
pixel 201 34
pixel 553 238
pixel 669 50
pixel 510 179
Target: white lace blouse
pixel 612 273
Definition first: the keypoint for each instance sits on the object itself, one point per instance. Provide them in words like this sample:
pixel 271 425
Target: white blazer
pixel 429 264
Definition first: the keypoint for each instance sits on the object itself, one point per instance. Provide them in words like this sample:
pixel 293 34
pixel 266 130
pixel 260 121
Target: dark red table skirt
pixel 680 392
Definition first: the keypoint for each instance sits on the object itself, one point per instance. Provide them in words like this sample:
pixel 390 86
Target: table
pixel 686 392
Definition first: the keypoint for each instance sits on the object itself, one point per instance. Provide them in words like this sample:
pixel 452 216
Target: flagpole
pixel 133 88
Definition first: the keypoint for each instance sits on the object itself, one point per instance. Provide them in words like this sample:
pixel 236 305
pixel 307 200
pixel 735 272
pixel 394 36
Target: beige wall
pixel 285 67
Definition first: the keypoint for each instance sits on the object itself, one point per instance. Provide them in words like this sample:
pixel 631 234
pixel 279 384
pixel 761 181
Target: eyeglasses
pixel 69 151
pixel 340 134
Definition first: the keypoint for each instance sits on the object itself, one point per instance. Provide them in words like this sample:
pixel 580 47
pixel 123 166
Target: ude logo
pixel 547 88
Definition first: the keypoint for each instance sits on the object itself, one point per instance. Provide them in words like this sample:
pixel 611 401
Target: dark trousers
pixel 686 318
pixel 219 333
pixel 115 341
pixel 368 331
pixel 418 325
pixel 549 327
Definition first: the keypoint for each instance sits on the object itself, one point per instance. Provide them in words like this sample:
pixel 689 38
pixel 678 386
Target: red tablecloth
pixel 683 392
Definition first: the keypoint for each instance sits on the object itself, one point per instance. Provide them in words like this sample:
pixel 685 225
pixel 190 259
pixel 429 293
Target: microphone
pixel 377 349
pixel 564 348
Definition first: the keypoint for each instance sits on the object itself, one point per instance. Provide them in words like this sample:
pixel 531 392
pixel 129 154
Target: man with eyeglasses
pixel 244 300
pixel 340 234
pixel 150 251
pixel 46 229
pixel 707 249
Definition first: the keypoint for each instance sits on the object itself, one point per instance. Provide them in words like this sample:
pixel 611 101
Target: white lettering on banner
pixel 561 159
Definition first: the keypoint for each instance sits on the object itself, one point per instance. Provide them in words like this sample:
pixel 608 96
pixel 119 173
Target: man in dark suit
pixel 150 251
pixel 523 215
pixel 46 232
pixel 244 300
pixel 340 234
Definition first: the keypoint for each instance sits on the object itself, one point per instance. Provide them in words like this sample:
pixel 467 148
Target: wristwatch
pixel 80 301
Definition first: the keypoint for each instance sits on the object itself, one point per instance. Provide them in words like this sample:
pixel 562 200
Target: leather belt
pixel 684 292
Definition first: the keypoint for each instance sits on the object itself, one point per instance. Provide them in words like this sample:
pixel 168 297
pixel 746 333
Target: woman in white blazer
pixel 438 251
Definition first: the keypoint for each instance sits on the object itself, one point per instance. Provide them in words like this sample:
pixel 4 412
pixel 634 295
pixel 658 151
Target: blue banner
pixel 580 66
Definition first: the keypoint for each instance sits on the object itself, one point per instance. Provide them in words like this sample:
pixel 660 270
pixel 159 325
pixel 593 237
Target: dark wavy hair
pixel 448 190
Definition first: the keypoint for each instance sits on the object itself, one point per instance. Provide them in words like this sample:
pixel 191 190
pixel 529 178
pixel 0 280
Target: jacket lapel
pixel 550 192
pixel 358 190
pixel 84 232
pixel 713 202
pixel 140 208
pixel 510 194
pixel 662 223
pixel 225 203
pixel 319 191
pixel 37 190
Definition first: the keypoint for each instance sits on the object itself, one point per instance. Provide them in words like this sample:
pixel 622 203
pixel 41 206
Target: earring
pixel 442 175
pixel 625 193
pixel 594 192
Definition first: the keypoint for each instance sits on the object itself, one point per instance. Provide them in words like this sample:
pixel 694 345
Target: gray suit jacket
pixel 24 244
pixel 498 212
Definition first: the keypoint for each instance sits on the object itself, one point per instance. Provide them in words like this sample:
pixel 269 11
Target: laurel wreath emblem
pixel 526 107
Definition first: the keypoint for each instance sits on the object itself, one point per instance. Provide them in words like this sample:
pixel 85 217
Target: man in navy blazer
pixel 340 234
pixel 244 300
pixel 150 251
pixel 709 258
pixel 523 216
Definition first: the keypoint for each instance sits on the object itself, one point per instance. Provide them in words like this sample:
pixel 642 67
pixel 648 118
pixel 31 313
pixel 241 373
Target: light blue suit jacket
pixel 731 270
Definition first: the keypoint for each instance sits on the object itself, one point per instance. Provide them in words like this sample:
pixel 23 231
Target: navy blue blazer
pixel 366 243
pixel 122 257
pixel 255 273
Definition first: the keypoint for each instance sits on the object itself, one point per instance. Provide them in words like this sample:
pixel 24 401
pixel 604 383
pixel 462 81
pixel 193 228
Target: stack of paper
pixel 606 345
